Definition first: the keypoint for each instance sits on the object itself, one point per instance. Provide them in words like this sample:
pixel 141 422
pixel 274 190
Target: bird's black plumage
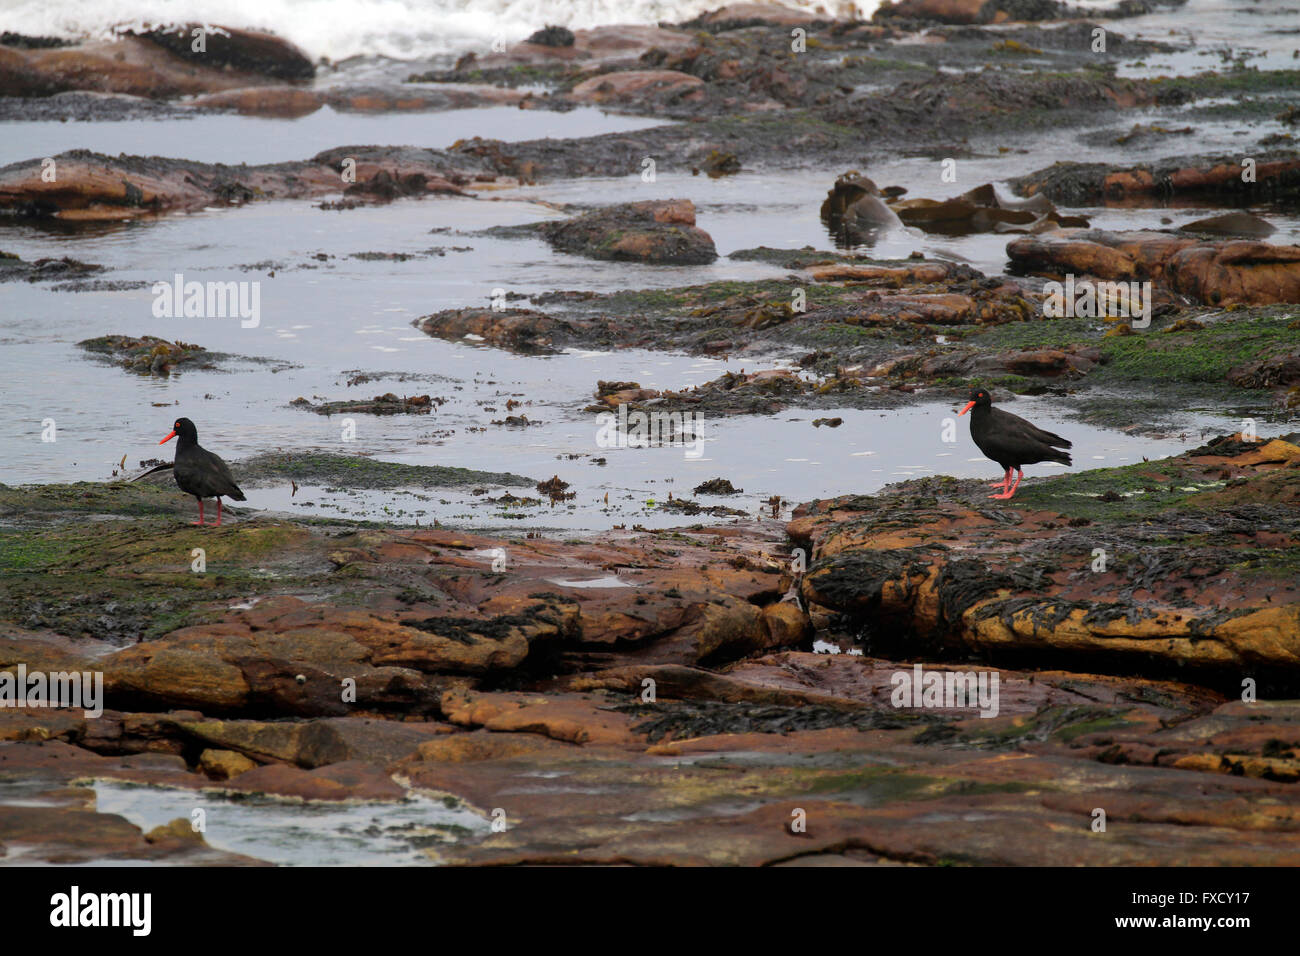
pixel 1010 440
pixel 199 472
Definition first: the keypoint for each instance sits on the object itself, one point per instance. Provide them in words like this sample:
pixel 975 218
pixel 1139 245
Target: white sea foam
pixel 338 29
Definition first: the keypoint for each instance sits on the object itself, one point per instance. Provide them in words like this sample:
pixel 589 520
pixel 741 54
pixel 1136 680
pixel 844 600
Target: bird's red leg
pixel 1003 483
pixel 200 521
pixel 1011 494
pixel 218 524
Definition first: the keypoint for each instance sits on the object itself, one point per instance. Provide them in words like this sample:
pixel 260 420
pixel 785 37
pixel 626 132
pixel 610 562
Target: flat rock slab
pixel 48 814
pixel 1230 272
pixel 927 562
pixel 1083 184
pixel 394 617
pixel 581 776
pixel 658 232
pixel 158 64
pixel 674 715
pixel 90 186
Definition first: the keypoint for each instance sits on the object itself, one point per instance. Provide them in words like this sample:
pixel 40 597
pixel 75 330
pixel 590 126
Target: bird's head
pixel 185 429
pixel 978 396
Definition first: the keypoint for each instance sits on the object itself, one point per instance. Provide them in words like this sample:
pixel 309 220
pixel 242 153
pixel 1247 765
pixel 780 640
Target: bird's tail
pixel 1062 456
pixel 238 495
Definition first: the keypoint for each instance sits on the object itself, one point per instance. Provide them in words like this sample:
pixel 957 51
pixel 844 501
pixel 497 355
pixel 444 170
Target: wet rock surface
pixel 1182 586
pixel 1218 273
pixel 1275 174
pixel 149 355
pixel 751 98
pixel 64 268
pixel 855 208
pixel 361 471
pixel 386 404
pixel 160 63
pixel 88 186
pixel 883 333
pixel 661 233
pixel 328 663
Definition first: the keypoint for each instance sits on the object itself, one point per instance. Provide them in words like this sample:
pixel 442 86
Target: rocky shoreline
pixel 723 692
pixel 472 660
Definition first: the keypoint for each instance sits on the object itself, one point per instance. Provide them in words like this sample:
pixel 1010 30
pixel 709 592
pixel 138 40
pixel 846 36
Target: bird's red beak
pixel 969 406
pixel 172 434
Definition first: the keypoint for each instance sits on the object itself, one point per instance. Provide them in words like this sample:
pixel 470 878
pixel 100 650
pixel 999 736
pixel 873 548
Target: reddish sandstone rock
pixel 284 656
pixel 285 102
pixel 591 48
pixel 296 658
pixel 1023 777
pixel 615 39
pixel 62 835
pixel 1227 273
pixel 155 65
pixel 310 743
pixel 351 780
pixel 1239 224
pixel 1281 174
pixel 572 719
pixel 180 833
pixel 750 13
pixel 659 232
pixel 62 825
pixel 883 275
pixel 1108 255
pixel 90 186
pixel 131 65
pixel 461 96
pixel 224 764
pixel 944 11
pixel 943 308
pixel 1090 183
pixel 519 330
pixel 469 746
pixel 587 769
pixel 226 48
pixel 637 86
pixel 956 574
pixel 91 189
pixel 787 625
pixel 946 308
pixel 1267 373
pixel 627 396
pixel 761 681
pixel 1219 273
pixel 177 677
pixel 1048 363
pixel 980 210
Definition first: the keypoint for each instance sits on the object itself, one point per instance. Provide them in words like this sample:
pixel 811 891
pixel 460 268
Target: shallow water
pixel 293 833
pixel 1213 32
pixel 326 315
pixel 229 138
pixel 322 321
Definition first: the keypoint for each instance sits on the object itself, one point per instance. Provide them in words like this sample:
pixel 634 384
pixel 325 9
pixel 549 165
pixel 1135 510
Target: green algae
pixel 360 471
pixel 1229 83
pixel 1196 356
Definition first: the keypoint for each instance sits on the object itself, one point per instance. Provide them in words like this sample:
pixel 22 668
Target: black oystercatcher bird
pixel 1010 440
pixel 199 472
